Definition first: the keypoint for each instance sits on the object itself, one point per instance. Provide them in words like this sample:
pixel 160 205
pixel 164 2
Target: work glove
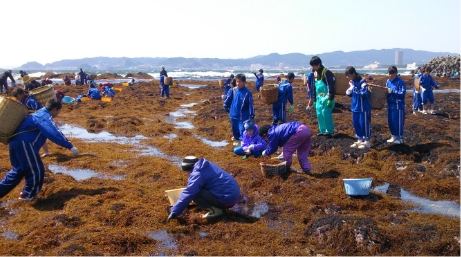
pixel 389 90
pixel 223 97
pixel 349 90
pixel 329 103
pixel 291 109
pixel 313 105
pixel 264 153
pixel 74 151
pixel 171 216
pixel 246 149
pixel 251 147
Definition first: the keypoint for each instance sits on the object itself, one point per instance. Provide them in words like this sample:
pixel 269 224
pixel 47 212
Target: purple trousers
pixel 301 142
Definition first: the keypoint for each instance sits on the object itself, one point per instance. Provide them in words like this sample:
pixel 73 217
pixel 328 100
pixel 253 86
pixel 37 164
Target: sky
pixel 46 31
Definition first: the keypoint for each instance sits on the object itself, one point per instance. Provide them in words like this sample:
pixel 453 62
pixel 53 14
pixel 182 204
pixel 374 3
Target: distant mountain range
pixel 358 59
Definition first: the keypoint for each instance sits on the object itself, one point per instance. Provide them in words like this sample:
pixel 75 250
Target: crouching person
pixel 292 136
pixel 24 148
pixel 252 142
pixel 208 186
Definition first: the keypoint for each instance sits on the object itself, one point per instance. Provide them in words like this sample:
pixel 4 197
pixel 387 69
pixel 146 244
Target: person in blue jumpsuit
pixel 417 102
pixel 82 77
pixel 360 108
pixel 323 96
pixel 259 79
pixel 285 95
pixel 94 93
pixel 208 186
pixel 164 89
pixel 24 147
pixel 239 105
pixel 395 105
pixel 227 84
pixel 426 83
pixel 310 83
pixel 29 102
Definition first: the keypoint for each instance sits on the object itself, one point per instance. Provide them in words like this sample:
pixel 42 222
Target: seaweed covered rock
pixel 443 64
pixel 139 75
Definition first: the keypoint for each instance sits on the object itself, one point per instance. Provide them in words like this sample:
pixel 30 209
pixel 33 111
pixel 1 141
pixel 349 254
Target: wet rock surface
pixel 295 214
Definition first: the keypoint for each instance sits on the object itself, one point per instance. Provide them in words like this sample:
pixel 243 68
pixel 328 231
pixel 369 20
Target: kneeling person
pixel 252 143
pixel 208 186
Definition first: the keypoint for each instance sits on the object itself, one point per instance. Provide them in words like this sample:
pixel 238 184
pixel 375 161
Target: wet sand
pixel 110 199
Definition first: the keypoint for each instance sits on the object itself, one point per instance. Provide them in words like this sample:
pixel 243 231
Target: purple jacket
pixel 279 135
pixel 255 139
pixel 207 176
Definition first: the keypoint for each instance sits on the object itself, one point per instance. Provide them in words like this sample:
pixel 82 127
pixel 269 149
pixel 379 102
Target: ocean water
pixel 207 75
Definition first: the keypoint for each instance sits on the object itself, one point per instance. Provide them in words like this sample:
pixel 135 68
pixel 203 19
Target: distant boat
pixel 411 66
pixel 372 66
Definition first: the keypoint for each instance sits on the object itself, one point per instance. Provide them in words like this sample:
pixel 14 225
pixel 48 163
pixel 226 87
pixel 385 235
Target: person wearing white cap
pixel 208 186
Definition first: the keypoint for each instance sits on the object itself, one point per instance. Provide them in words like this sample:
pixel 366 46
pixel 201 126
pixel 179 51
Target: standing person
pixel 323 95
pixel 208 186
pixel 165 89
pixel 24 148
pixel 163 72
pixel 417 106
pixel 4 83
pixel 310 83
pixel 227 84
pixel 292 136
pixel 360 108
pixel 259 80
pixel 239 105
pixel 426 83
pixel 252 143
pixel 82 76
pixel 285 95
pixel 395 105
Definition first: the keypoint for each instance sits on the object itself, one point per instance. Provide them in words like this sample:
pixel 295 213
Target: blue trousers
pixel 237 128
pixel 4 85
pixel 239 151
pixel 205 199
pixel 417 102
pixel 27 164
pixel 165 91
pixel 279 113
pixel 396 120
pixel 362 124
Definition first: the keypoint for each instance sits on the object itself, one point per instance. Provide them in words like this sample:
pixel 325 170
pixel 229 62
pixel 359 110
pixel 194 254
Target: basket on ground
pixel 118 89
pixel 270 93
pixel 378 96
pixel 167 81
pixel 12 114
pixel 173 195
pixel 341 83
pixel 270 170
pixel 221 83
pixel 357 186
pixel 43 94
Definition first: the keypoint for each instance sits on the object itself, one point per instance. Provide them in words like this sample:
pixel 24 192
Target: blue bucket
pixel 357 186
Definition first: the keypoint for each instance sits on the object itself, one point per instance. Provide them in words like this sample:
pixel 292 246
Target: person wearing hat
pixel 259 80
pixel 292 136
pixel 252 142
pixel 285 95
pixel 24 147
pixel 227 84
pixel 3 81
pixel 208 186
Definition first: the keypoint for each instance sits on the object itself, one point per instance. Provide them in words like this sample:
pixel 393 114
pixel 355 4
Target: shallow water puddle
pixel 11 235
pixel 188 105
pixel 212 143
pixel 203 234
pixel 439 91
pixel 446 208
pixel 170 136
pixel 81 174
pixel 173 116
pixel 192 86
pixel 152 151
pixel 165 241
pixel 104 136
pixel 251 208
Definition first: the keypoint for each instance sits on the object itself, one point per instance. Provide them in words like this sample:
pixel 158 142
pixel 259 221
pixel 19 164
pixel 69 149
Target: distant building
pixel 256 66
pixel 399 57
pixel 280 65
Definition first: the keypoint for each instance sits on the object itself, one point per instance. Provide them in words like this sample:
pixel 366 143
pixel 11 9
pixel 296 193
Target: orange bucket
pixel 106 99
pixel 117 89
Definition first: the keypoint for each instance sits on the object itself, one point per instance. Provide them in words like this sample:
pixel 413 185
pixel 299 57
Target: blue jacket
pixel 259 80
pixel 108 91
pixel 208 176
pixel 285 94
pixel 227 85
pixel 310 84
pixel 162 77
pixel 39 127
pixel 94 93
pixel 396 99
pixel 255 139
pixel 360 95
pixel 31 103
pixel 427 82
pixel 279 135
pixel 240 103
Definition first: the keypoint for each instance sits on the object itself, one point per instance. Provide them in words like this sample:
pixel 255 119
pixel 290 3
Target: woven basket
pixel 417 84
pixel 270 93
pixel 167 81
pixel 341 83
pixel 43 94
pixel 12 114
pixel 270 170
pixel 378 96
pixel 221 83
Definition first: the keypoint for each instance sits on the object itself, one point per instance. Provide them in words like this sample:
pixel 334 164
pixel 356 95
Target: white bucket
pixel 357 186
pixel 173 195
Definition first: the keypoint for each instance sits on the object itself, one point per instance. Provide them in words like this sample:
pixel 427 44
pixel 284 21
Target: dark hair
pixel 232 76
pixel 241 77
pixel 315 60
pixel 350 71
pixel 290 75
pixel 18 91
pixel 53 103
pixel 263 129
pixel 261 70
pixel 234 82
pixel 392 70
pixel 21 71
pixel 428 69
pixel 92 86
